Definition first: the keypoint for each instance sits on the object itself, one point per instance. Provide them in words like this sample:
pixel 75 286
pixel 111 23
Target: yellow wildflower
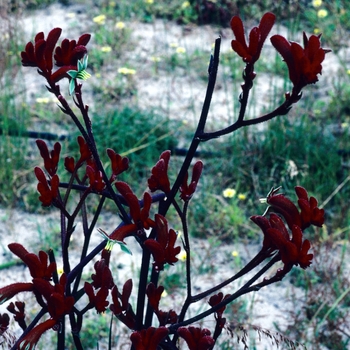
pixel 348 71
pixel 316 31
pixel 185 4
pixel 100 19
pixel 180 50
pixel 182 256
pixel 322 13
pixel 106 49
pixel 164 294
pixel 234 253
pixel 59 270
pixel 120 25
pixel 126 71
pixel 70 15
pixel 241 196
pixel 42 100
pixel 173 44
pixel 149 1
pixel 316 3
pixel 155 59
pixel 229 192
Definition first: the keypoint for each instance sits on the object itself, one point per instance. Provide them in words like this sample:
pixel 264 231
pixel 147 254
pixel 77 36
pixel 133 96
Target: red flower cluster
pixel 293 250
pixel 304 64
pixel 162 248
pixel 140 217
pixel 40 54
pixel 103 281
pixel 154 294
pixel 196 338
pixel 57 303
pixel 148 339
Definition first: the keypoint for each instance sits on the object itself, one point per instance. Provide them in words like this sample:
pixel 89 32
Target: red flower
pixel 304 64
pixel 85 156
pixel 196 338
pixel 188 190
pixel 293 252
pixel 103 276
pixel 139 216
pixel 148 339
pixel 38 265
pixel 19 313
pixel 216 299
pixel 257 37
pixel 40 54
pixel 50 158
pixel 121 307
pixel 4 323
pixel 95 178
pixel 30 340
pixel 11 290
pixel 58 304
pixel 118 307
pixel 162 248
pixel 67 55
pixel 119 163
pixel 99 300
pixel 276 237
pixel 159 179
pixel 310 213
pixel 48 193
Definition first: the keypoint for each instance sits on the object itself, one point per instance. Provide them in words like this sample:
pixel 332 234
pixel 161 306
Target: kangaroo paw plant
pixel 63 299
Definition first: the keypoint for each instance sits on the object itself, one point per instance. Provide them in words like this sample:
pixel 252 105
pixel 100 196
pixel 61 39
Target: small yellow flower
pixel 348 71
pixel 100 19
pixel 149 1
pixel 70 15
pixel 241 196
pixel 42 100
pixel 106 49
pixel 126 71
pixel 235 253
pixel 316 3
pixel 316 31
pixel 164 294
pixel 229 193
pixel 180 50
pixel 185 4
pixel 182 256
pixel 344 125
pixel 59 270
pixel 155 59
pixel 173 44
pixel 120 25
pixel 322 13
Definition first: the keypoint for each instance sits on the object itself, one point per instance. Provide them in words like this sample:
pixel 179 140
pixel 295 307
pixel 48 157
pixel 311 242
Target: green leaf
pixel 124 248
